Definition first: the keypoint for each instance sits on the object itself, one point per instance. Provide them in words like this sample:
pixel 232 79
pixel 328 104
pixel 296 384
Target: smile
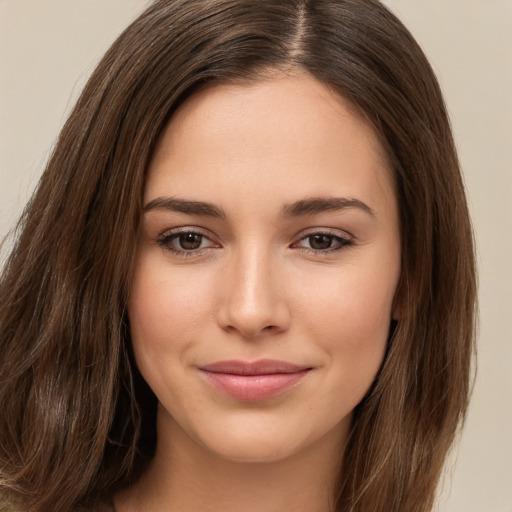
pixel 255 381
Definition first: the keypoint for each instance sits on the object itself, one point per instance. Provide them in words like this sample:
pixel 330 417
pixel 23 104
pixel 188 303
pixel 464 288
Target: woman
pixel 247 272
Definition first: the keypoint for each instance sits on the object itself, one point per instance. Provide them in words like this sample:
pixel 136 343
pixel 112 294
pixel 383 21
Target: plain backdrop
pixel 48 48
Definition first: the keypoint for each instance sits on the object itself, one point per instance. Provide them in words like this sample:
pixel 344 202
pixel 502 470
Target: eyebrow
pixel 309 206
pixel 185 206
pixel 314 205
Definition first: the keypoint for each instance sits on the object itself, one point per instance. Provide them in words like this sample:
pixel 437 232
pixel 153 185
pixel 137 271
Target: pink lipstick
pixel 258 380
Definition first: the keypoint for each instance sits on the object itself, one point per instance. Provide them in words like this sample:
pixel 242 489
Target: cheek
pixel 349 304
pixel 165 311
pixel 350 315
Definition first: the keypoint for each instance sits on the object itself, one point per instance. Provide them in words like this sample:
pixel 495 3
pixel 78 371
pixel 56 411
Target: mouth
pixel 253 381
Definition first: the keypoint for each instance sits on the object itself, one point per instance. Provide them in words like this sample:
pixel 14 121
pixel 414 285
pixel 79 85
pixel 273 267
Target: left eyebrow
pixel 314 205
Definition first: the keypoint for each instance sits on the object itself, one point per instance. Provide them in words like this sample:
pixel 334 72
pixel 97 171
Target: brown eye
pixel 320 242
pixel 189 241
pixel 185 242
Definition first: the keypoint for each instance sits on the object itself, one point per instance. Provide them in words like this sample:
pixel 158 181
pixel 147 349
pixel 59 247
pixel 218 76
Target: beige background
pixel 49 47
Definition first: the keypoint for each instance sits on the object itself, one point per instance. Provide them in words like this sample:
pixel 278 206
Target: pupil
pixel 320 241
pixel 190 241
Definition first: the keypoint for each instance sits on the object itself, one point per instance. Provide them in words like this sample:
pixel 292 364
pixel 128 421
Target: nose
pixel 253 298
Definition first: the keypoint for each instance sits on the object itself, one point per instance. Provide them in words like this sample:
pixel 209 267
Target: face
pixel 266 268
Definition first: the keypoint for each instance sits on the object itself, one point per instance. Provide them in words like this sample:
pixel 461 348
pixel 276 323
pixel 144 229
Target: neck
pixel 184 475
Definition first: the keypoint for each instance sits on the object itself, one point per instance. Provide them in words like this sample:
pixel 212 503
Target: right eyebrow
pixel 185 206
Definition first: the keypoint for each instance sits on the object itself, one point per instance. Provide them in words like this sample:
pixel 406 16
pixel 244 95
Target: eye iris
pixel 320 242
pixel 190 241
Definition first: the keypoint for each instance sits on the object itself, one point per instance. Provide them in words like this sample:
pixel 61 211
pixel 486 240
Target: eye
pixel 322 242
pixel 189 241
pixel 185 242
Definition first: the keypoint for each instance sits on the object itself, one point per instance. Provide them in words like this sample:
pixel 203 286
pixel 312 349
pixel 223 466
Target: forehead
pixel 283 132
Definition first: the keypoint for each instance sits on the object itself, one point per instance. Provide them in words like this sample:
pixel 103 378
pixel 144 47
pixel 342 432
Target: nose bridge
pixel 253 302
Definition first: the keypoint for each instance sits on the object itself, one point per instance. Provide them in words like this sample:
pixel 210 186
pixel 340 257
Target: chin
pixel 254 449
pixel 265 440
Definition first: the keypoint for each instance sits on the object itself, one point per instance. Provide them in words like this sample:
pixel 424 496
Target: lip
pixel 258 380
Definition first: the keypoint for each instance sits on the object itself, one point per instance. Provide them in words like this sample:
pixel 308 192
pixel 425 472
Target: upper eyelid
pixel 168 234
pixel 335 232
pixel 186 229
pixel 341 244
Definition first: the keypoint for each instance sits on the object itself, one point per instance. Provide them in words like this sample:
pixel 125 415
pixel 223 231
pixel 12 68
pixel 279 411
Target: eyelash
pixel 341 242
pixel 166 240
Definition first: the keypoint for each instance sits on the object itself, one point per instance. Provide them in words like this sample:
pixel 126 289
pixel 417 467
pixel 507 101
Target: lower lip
pixel 254 387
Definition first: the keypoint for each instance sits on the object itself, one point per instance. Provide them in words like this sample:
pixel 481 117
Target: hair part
pixel 78 420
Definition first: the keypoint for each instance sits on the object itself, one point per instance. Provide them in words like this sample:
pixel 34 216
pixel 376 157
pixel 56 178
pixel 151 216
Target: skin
pixel 258 287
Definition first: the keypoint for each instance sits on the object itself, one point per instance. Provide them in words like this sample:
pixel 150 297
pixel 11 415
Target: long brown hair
pixel 77 420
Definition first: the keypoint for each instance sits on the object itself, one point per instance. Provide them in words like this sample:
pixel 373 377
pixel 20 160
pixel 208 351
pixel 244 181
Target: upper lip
pixel 261 367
